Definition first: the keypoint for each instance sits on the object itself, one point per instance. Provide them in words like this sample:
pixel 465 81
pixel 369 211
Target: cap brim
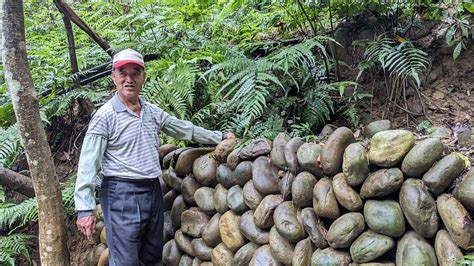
pixel 124 62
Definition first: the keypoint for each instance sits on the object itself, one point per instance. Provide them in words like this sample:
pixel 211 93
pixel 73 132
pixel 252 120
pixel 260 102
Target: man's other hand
pixel 87 225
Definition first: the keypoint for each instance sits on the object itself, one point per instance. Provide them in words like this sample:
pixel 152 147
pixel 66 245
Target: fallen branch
pixel 67 11
pixel 15 181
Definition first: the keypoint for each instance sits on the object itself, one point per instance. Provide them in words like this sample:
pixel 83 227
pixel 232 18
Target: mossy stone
pixel 388 148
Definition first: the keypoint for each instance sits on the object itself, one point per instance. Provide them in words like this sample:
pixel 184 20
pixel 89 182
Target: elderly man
pixel 121 146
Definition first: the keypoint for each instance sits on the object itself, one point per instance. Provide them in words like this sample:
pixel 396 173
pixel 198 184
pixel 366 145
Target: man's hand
pixel 87 225
pixel 229 135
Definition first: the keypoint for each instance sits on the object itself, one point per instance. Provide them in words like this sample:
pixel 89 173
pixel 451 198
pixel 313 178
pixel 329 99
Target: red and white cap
pixel 128 56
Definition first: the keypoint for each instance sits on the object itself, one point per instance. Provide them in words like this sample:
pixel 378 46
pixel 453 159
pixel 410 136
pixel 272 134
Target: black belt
pixel 130 180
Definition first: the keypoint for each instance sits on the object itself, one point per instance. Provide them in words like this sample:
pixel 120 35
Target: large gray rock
pixel 419 207
pixel 377 126
pixel 443 173
pixel 369 246
pixel 421 157
pixel 384 217
pixel 412 249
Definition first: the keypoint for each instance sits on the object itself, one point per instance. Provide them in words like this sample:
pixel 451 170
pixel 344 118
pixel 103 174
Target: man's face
pixel 128 80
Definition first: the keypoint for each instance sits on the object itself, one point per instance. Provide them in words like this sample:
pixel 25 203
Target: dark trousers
pixel 133 216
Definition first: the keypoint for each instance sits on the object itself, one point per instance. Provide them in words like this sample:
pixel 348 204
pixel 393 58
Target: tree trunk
pixel 52 233
pixel 14 181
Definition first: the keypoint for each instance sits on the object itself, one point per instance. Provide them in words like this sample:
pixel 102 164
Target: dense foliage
pixel 222 64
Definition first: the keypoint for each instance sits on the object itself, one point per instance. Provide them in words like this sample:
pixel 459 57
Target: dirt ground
pixel 448 93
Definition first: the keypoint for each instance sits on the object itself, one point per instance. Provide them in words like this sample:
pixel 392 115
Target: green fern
pixel 238 124
pixel 301 55
pixel 215 115
pixel 302 130
pixel 252 82
pixel 18 214
pixel 13 216
pixel 205 113
pixel 172 87
pixel 401 61
pixel 406 61
pixel 7 115
pixel 12 246
pixel 60 105
pixel 2 194
pixel 351 114
pixel 318 107
pixel 268 129
pixel 10 146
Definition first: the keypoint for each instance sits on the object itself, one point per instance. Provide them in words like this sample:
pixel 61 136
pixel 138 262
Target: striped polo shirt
pixel 132 140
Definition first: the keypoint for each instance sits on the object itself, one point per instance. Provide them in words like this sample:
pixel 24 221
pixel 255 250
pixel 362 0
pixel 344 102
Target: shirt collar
pixel 119 106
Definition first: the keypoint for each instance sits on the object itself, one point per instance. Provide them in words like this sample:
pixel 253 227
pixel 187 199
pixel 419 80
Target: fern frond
pixel 300 55
pixel 406 61
pixel 238 124
pixel 402 61
pixel 351 114
pixel 233 63
pixel 10 146
pixel 12 246
pixel 254 103
pixel 318 107
pixel 2 194
pixel 60 105
pixel 173 90
pixel 302 130
pixel 268 129
pixel 21 213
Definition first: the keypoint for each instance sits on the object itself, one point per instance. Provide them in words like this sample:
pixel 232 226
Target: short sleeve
pixel 99 125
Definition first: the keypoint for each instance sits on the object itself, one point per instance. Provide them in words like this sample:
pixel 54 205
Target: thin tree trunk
pixel 72 48
pixel 67 11
pixel 52 233
pixel 15 181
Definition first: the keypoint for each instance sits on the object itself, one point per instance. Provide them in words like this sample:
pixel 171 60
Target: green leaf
pixel 457 50
pixel 450 35
pixel 465 31
pixel 469 6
